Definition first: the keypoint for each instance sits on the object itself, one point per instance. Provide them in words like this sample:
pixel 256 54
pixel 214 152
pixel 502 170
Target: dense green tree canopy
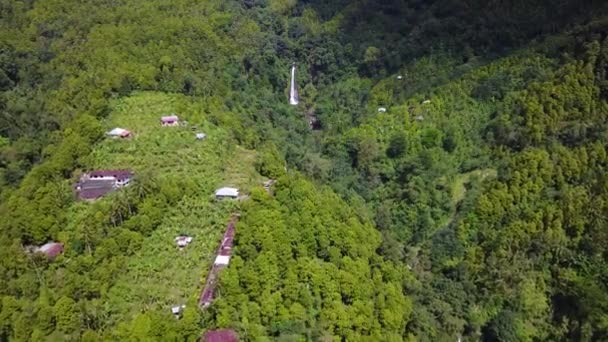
pixel 473 207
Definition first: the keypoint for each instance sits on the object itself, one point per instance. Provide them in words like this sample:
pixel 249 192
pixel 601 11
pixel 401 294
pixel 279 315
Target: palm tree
pixel 143 185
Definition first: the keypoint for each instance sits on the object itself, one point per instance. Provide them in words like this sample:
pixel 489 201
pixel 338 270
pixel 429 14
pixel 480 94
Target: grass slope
pixel 159 275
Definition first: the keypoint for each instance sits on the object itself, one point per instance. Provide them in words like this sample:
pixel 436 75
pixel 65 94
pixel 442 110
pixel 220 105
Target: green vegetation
pixel 121 259
pixel 306 266
pixel 473 208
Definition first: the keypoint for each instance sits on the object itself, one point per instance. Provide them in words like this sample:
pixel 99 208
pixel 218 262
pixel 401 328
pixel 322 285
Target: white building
pixel 119 133
pixel 222 260
pixel 183 241
pixel 177 310
pixel 226 193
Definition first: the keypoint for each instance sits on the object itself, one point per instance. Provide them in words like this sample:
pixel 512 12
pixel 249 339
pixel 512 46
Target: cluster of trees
pixel 534 240
pixel 63 297
pixel 306 268
pixel 425 169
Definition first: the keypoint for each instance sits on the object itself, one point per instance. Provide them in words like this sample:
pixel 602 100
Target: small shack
pixel 201 136
pixel 222 260
pixel 170 120
pixel 177 311
pixel 426 101
pixel 382 110
pixel 399 77
pixel 183 241
pixel 50 249
pixel 119 133
pixel 222 335
pixel 226 192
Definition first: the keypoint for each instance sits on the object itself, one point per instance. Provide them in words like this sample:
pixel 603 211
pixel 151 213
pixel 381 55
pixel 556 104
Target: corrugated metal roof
pixel 227 192
pixel 222 335
pixel 91 194
pixel 222 260
pixel 169 118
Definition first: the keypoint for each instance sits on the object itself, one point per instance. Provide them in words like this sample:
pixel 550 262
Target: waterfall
pixel 293 92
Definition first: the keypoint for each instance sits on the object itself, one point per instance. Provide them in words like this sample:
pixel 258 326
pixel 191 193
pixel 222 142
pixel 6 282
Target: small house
pixel 50 249
pixel 119 133
pixel 399 77
pixel 178 310
pixel 222 260
pixel 183 241
pixel 426 101
pixel 381 110
pixel 227 193
pixel 222 335
pixel 201 136
pixel 170 120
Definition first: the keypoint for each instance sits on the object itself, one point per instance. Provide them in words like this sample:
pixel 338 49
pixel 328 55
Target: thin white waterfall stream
pixel 293 92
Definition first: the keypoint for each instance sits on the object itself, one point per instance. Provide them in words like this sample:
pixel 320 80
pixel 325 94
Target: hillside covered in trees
pixel 453 187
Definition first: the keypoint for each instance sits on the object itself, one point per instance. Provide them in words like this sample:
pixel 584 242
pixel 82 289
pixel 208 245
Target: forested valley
pixel 444 176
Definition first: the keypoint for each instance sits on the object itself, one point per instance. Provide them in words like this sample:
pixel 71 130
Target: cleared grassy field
pixel 160 275
pixel 459 186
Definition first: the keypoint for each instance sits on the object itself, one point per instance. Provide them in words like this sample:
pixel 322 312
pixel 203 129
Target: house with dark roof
pixel 98 183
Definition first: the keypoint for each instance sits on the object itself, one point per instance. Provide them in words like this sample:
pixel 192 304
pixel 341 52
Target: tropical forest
pixel 303 170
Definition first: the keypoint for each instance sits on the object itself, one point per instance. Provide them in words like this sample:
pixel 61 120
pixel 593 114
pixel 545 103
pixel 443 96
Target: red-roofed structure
pixel 170 120
pixel 50 249
pixel 222 258
pixel 223 335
